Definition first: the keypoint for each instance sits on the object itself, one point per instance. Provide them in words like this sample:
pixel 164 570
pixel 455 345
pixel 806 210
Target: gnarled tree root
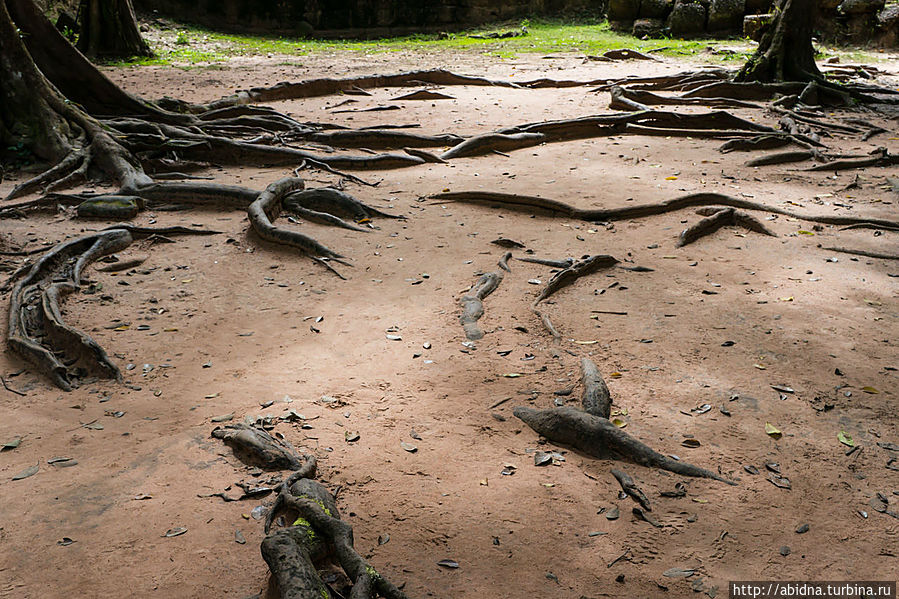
pixel 564 278
pixel 256 447
pixel 294 553
pixel 267 207
pixel 473 303
pixel 581 268
pixel 640 211
pixel 36 329
pixel 595 435
pixel 596 398
pixel 865 253
pixel 333 201
pixel 717 217
pixel 631 99
pixel 493 142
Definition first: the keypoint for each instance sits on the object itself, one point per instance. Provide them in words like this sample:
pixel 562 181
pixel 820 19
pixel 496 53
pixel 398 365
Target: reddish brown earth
pixel 244 309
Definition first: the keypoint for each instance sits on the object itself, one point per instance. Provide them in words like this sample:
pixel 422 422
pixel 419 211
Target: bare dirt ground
pixel 223 325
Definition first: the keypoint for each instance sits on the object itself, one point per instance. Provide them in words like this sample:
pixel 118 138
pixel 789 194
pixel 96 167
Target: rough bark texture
pixel 25 113
pixel 785 52
pixel 109 29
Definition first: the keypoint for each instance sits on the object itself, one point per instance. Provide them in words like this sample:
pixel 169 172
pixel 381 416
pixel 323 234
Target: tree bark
pixel 109 30
pixel 26 115
pixel 785 52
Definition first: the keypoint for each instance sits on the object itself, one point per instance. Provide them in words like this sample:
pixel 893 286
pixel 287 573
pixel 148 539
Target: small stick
pixel 497 404
pixel 615 312
pixel 11 390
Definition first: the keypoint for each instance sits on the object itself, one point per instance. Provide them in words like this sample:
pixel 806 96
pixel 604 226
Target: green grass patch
pixel 192 45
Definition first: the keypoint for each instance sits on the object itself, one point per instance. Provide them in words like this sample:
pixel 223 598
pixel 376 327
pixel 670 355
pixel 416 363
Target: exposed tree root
pixel 581 268
pixel 36 330
pixel 630 487
pixel 596 398
pixel 376 139
pixel 784 158
pixel 266 208
pixel 717 217
pixel 611 214
pixel 595 435
pixel 866 253
pixel 256 447
pixel 882 158
pixel 311 88
pixel 546 262
pixel 493 142
pixel 333 201
pixel 758 92
pixel 631 99
pixel 761 142
pixel 679 82
pixel 564 278
pixel 473 304
pixel 294 553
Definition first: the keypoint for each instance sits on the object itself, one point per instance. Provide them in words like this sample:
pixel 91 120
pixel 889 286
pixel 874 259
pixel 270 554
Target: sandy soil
pixel 229 320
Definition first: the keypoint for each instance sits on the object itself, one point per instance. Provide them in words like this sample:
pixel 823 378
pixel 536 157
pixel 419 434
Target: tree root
pixel 611 214
pixel 632 99
pixel 679 82
pixel 266 208
pixel 36 330
pixel 473 305
pixel 882 158
pixel 493 142
pixel 256 447
pixel 294 553
pixel 333 201
pixel 596 398
pixel 567 262
pixel 376 139
pixel 581 268
pixel 784 158
pixel 762 142
pixel 596 436
pixel 311 88
pixel 564 278
pixel 717 217
pixel 866 253
pixel 630 487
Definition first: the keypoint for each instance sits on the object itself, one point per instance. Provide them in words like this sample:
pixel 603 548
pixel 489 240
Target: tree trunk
pixel 109 30
pixel 26 115
pixel 785 52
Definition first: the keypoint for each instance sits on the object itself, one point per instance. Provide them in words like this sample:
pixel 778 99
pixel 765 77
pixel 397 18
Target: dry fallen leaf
pixel 773 431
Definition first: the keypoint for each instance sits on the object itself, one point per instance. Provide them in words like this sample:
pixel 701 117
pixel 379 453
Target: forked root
pixel 595 435
pixel 36 329
pixel 267 207
pixel 316 536
pixel 717 217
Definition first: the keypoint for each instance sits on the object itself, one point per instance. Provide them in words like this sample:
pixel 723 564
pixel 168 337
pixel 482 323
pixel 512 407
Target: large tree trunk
pixel 26 115
pixel 36 115
pixel 785 52
pixel 68 69
pixel 109 29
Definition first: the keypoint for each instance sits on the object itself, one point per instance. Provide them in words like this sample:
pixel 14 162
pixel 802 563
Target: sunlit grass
pixel 191 45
